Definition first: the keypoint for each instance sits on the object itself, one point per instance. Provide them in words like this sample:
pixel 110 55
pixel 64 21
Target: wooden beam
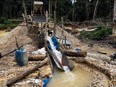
pixel 36 57
pixel 54 23
pixel 26 72
pixel 95 10
pixel 75 54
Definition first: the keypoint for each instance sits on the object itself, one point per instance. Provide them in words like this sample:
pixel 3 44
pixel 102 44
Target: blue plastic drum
pixel 21 57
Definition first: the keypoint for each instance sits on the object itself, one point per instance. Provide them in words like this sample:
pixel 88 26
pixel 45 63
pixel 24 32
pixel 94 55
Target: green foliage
pixel 8 23
pixel 2 19
pixel 5 26
pixel 2 26
pixel 12 26
pixel 83 9
pixel 98 34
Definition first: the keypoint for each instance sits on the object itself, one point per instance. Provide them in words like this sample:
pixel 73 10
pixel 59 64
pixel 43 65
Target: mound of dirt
pixel 8 43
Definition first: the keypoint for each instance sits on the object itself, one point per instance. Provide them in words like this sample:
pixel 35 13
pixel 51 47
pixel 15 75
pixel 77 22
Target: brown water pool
pixel 75 78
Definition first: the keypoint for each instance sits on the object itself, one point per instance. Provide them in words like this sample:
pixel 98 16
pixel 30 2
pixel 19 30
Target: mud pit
pixel 9 68
pixel 78 77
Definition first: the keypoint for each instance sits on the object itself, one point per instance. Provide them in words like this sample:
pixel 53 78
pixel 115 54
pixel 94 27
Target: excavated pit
pixel 95 76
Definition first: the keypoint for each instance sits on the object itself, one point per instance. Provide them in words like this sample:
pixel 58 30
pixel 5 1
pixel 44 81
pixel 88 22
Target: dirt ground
pixel 76 43
pixel 8 65
pixel 9 68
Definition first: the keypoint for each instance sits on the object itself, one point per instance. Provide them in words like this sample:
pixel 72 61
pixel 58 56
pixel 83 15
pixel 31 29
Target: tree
pixel 95 10
pixel 81 10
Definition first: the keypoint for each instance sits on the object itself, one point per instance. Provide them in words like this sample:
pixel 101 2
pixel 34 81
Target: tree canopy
pixel 82 9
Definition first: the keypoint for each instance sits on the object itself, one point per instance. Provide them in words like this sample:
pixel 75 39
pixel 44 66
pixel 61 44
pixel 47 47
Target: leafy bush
pixel 100 33
pixel 2 26
pixel 12 25
pixel 7 21
pixel 2 19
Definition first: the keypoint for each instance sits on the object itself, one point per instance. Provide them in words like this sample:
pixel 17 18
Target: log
pixel 99 56
pixel 36 57
pixel 99 67
pixel 102 52
pixel 93 64
pixel 26 72
pixel 75 54
pixel 113 62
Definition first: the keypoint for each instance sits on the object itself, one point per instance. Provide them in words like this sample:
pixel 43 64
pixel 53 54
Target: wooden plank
pixel 26 72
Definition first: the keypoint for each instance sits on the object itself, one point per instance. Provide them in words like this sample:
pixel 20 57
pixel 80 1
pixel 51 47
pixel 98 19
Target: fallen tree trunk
pixel 36 57
pixel 75 54
pixel 99 56
pixel 26 72
pixel 96 64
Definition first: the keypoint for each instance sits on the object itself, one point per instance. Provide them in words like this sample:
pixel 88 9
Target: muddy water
pixel 76 78
pixel 2 33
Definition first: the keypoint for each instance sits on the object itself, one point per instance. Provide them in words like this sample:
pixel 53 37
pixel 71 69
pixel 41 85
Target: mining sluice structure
pixel 38 24
pixel 45 37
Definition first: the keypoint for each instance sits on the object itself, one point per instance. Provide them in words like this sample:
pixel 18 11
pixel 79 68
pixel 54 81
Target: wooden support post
pixel 50 62
pixel 62 22
pixel 54 23
pixel 114 12
pixel 38 39
pixel 65 42
pixel 26 72
pixel 95 10
pixel 62 31
pixel 25 12
pixel 114 28
pixel 49 8
pixel 48 55
pixel 46 27
pixel 41 18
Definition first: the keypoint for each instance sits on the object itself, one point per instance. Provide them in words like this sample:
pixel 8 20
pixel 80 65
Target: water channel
pixel 75 78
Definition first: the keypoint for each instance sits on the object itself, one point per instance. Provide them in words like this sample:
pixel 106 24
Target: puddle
pixel 76 78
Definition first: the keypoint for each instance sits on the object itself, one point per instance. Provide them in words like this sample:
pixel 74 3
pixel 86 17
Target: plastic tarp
pixel 55 42
pixel 46 81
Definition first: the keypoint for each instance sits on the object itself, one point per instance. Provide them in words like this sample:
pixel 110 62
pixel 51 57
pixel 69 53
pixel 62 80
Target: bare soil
pixel 9 68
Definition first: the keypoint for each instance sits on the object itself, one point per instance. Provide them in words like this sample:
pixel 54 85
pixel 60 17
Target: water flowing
pixel 57 53
pixel 74 78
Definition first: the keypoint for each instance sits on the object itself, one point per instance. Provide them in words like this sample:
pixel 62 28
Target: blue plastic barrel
pixel 21 57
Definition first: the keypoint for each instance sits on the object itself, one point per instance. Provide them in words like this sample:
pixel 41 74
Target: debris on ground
pixel 9 68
